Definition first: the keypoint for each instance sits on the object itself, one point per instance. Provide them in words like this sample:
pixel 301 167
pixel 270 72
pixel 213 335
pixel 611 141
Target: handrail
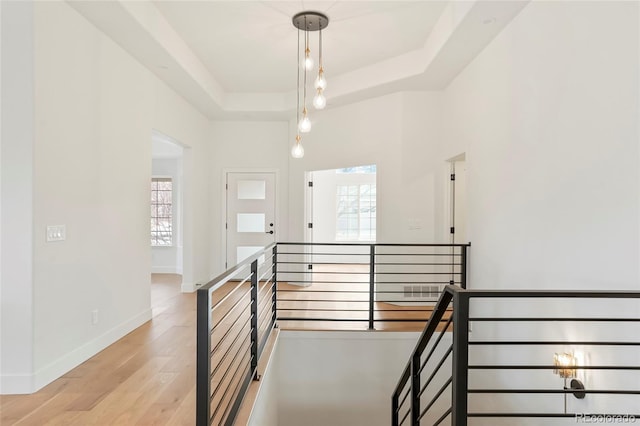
pixel 462 349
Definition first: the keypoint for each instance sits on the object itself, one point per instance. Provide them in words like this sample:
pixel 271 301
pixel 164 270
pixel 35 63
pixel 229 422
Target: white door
pixel 251 205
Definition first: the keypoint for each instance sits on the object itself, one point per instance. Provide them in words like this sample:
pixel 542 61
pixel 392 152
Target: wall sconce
pixel 565 367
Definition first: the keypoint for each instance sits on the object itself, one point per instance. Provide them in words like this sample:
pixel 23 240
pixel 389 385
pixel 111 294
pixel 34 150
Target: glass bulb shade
pixel 321 82
pixel 319 101
pixel 308 63
pixel 297 151
pixel 305 125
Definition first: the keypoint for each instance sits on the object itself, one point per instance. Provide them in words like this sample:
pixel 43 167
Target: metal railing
pixel 496 364
pixel 364 286
pixel 235 315
pixel 301 285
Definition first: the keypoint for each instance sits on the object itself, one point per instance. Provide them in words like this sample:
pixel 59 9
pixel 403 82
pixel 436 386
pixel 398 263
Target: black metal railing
pixel 303 285
pixel 496 363
pixel 235 315
pixel 364 286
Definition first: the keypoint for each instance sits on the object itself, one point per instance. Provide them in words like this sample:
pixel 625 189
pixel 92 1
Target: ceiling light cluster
pixel 307 22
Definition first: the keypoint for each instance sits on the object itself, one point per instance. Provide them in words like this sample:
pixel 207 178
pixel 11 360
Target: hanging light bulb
pixel 319 101
pixel 305 124
pixel 321 82
pixel 308 60
pixel 297 151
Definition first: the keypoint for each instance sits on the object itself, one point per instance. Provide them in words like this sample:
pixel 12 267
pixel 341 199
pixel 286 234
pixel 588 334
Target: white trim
pixel 223 215
pixel 67 362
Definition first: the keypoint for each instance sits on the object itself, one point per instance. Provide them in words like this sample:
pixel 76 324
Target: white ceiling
pixel 250 46
pixel 236 59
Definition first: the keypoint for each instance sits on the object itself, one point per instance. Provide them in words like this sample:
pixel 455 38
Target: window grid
pixel 161 212
pixel 356 212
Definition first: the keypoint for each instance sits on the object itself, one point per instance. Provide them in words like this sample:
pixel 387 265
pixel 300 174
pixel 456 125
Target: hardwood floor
pixel 145 378
pixel 148 376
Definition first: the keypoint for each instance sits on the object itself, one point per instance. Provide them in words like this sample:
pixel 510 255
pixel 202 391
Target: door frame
pixel 223 215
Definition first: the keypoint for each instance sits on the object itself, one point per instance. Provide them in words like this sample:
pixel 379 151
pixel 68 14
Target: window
pixel 371 168
pixel 356 215
pixel 161 212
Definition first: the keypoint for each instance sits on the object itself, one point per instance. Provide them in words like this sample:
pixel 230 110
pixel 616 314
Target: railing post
pixel 274 291
pixel 463 267
pixel 254 318
pixel 372 278
pixel 460 376
pixel 203 358
pixel 415 389
pixel 394 409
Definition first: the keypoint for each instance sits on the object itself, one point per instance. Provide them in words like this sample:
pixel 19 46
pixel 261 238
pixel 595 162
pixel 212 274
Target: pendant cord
pixel 298 84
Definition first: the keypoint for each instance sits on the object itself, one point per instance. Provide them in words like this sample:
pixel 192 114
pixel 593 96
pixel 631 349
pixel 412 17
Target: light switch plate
pixel 56 233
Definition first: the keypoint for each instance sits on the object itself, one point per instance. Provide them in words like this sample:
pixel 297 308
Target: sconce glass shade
pixel 565 365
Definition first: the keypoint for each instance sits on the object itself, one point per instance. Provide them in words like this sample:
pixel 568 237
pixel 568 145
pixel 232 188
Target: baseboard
pixel 166 270
pixel 64 364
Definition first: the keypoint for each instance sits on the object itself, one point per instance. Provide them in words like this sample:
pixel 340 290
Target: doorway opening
pixel 166 216
pixel 457 204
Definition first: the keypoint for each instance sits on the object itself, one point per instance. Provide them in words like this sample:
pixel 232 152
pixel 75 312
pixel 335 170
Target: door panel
pixel 250 214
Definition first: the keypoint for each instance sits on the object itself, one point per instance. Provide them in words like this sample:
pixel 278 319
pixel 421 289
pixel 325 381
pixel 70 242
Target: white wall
pixel 95 110
pixel 16 153
pixel 168 260
pixel 246 146
pixel 336 378
pixel 400 133
pixel 549 121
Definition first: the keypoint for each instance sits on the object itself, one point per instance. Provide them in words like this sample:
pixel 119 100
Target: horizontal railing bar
pixel 372 244
pixel 437 342
pixel 444 416
pixel 435 398
pixel 322 282
pixel 417 273
pixel 233 308
pixel 226 413
pixel 267 271
pixel 418 254
pixel 323 254
pixel 224 336
pixel 551 342
pixel 445 356
pixel 323 272
pixel 323 291
pixel 233 343
pixel 235 373
pixel 552 367
pixel 546 391
pixel 404 398
pixel 265 290
pixel 321 319
pixel 418 264
pixel 547 415
pixel 417 282
pixel 321 263
pixel 535 294
pixel 228 295
pixel 404 417
pixel 533 319
pixel 224 376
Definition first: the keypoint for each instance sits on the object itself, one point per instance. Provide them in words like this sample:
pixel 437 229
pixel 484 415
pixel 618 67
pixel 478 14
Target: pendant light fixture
pixel 308 21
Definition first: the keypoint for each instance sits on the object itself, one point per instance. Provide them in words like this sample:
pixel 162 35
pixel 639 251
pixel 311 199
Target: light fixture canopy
pixel 306 22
